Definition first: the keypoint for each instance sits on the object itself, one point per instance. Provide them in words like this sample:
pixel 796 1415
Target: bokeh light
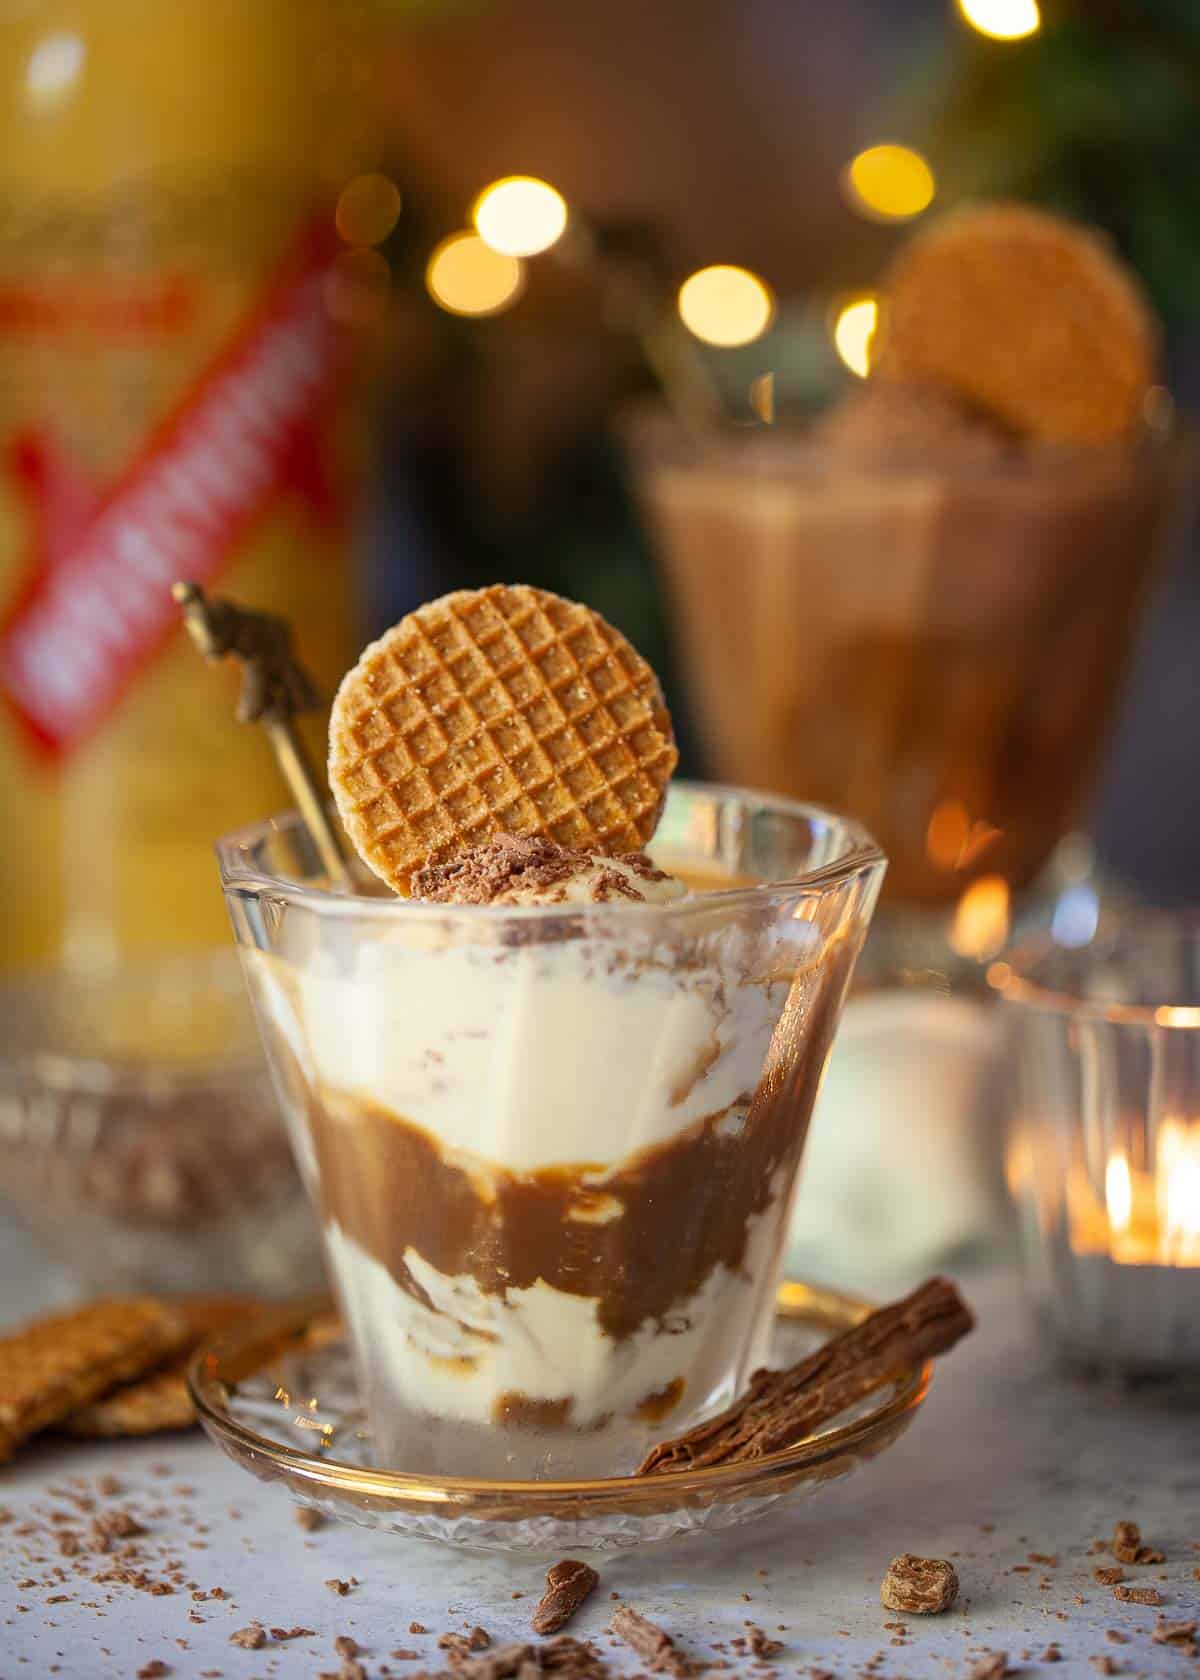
pixel 368 208
pixel 854 328
pixel 467 277
pixel 1002 20
pixel 726 306
pixel 54 67
pixel 519 216
pixel 762 398
pixel 357 286
pixel 889 182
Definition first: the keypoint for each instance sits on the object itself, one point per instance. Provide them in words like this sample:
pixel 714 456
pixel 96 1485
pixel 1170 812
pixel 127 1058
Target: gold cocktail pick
pixel 275 690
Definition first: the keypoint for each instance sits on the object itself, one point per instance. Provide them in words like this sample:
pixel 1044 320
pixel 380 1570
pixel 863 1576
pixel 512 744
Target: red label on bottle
pixel 98 604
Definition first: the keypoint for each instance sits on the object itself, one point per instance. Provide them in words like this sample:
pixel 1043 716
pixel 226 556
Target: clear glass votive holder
pixel 1103 1157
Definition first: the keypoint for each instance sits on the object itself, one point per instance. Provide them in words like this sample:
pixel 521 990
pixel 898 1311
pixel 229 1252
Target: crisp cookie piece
pixel 506 710
pixel 55 1365
pixel 1028 317
pixel 160 1401
pixel 919 1586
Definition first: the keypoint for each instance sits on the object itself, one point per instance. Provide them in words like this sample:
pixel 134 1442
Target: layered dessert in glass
pixel 550 1108
pixel 938 582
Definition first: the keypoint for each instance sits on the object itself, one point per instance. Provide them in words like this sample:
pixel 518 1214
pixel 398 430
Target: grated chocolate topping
pixel 519 863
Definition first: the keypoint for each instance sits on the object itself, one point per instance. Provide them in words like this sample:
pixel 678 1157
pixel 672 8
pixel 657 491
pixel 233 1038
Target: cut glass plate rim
pixel 242 1351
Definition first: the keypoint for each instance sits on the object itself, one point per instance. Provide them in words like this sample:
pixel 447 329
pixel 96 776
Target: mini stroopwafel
pixel 492 711
pixel 1026 316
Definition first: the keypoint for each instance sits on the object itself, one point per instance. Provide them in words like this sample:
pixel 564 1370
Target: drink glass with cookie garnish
pixel 548 1088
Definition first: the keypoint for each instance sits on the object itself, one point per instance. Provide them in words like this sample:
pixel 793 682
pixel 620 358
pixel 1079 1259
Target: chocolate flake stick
pixel 781 1407
pixel 275 690
pixel 653 1644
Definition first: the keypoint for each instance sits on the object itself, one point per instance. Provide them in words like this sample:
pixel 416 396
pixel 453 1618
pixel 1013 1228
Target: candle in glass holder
pixel 1104 1165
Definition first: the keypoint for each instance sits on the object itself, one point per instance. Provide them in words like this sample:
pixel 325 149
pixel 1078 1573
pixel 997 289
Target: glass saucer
pixel 281 1398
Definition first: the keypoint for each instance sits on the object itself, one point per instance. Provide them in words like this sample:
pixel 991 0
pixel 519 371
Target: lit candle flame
pixel 1118 1192
pixel 981 918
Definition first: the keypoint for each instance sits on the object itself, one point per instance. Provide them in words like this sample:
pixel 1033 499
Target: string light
pixel 467 277
pixel 890 183
pixel 853 330
pixel 726 306
pixel 520 216
pixel 1002 20
pixel 368 208
pixel 762 398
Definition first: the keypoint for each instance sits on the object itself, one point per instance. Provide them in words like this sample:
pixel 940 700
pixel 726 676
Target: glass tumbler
pixel 1104 1150
pixel 552 1148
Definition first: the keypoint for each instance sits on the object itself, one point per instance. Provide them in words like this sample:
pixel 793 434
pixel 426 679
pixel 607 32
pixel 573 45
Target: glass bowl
pixel 281 1399
pixel 142 1141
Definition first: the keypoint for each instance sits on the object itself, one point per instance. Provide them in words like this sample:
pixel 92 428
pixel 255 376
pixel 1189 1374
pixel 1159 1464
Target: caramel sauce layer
pixel 640 1238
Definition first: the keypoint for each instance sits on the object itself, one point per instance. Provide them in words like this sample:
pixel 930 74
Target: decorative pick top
pixel 505 710
pixel 274 683
pixel 275 690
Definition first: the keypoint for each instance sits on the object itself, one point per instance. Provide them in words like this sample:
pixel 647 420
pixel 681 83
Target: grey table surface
pixel 1010 1456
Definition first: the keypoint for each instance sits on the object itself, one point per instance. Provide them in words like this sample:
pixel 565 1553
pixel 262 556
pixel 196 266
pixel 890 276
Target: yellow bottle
pixel 170 403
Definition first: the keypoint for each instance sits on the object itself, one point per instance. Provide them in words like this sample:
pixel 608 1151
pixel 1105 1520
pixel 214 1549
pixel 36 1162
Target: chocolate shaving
pixel 568 1585
pixel 782 1407
pixel 1174 1633
pixel 992 1667
pixel 1138 1595
pixel 653 1644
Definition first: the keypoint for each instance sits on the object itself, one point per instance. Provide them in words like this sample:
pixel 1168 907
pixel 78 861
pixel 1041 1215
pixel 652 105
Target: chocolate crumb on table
pixel 341 1588
pixel 1109 1577
pixel 153 1670
pixel 1138 1595
pixel 251 1638
pixel 345 1646
pixel 309 1519
pixel 993 1666
pixel 761 1645
pixel 568 1585
pixel 413 1627
pixel 919 1586
pixel 1127 1546
pixel 1174 1633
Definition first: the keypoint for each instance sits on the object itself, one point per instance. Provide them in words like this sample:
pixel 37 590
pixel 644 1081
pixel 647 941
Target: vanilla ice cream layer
pixel 529 1056
pixel 456 1357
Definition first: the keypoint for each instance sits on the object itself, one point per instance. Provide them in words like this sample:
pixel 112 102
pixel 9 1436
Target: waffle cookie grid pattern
pixel 502 710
